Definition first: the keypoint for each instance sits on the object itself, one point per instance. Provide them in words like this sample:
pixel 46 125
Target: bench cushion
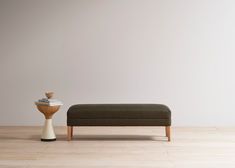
pixel 118 114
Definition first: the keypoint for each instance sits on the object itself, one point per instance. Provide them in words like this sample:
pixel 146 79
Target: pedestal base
pixel 48 140
pixel 48 131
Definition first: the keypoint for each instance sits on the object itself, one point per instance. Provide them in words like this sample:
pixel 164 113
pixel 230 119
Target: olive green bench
pixel 118 115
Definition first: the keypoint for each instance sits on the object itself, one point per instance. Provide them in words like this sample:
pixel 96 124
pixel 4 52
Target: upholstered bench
pixel 118 115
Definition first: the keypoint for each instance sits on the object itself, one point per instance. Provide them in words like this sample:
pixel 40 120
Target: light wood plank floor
pixel 118 147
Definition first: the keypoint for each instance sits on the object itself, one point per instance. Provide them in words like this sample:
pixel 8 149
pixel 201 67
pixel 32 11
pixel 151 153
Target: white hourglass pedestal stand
pixel 48 133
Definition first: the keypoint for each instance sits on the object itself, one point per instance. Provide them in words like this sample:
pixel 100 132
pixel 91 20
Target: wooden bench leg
pixel 168 132
pixel 69 133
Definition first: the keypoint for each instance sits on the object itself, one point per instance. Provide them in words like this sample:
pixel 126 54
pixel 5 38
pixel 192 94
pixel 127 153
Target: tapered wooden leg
pixel 69 131
pixel 168 132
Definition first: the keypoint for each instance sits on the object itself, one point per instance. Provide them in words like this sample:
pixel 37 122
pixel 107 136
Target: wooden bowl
pixel 49 95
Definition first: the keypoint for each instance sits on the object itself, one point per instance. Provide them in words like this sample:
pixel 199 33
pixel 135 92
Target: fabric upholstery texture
pixel 119 115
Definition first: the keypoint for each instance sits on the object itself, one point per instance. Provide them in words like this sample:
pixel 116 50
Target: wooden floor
pixel 118 147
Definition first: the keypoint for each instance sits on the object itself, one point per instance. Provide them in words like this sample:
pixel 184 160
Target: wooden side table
pixel 48 133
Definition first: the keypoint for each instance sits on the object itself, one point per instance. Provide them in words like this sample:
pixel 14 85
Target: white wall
pixel 176 52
